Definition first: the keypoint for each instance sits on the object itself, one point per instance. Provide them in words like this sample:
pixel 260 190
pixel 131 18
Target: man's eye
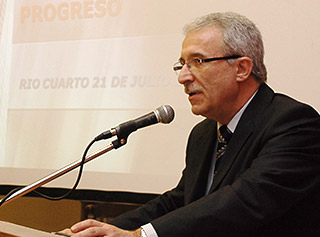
pixel 198 60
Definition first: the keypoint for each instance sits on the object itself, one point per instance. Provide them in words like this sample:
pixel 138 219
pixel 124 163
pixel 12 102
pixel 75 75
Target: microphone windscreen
pixel 166 113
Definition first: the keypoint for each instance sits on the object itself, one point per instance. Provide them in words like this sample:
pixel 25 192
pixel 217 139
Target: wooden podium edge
pixel 8 229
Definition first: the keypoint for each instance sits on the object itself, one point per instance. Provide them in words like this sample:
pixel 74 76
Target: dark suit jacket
pixel 268 181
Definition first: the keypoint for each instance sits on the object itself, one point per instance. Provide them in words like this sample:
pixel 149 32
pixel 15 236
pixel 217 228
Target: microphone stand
pixel 114 145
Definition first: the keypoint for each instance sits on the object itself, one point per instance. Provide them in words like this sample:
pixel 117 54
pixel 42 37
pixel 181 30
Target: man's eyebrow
pixel 181 59
pixel 193 55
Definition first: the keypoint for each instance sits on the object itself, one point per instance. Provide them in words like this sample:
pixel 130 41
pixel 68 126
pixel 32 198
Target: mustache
pixel 191 88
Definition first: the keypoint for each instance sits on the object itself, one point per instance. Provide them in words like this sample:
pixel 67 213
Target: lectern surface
pixel 12 230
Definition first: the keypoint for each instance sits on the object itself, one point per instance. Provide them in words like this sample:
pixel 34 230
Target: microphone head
pixel 165 113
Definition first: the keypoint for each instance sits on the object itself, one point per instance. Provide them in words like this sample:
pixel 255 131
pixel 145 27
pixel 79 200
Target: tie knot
pixel 224 134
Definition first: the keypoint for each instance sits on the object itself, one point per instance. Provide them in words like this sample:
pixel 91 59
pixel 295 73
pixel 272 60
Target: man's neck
pixel 246 96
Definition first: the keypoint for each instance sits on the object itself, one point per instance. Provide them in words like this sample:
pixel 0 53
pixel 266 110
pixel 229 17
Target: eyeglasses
pixel 197 62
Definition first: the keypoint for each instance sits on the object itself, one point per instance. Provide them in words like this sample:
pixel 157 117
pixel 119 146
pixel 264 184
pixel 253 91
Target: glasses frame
pixel 178 65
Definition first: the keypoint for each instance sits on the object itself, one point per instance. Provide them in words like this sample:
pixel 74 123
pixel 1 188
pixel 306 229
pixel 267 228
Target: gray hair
pixel 240 37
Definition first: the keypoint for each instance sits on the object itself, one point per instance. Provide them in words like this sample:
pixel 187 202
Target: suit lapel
pixel 203 151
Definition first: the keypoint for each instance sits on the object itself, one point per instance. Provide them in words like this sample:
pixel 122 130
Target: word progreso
pixel 69 10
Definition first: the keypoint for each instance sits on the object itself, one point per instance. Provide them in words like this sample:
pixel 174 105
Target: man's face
pixel 211 86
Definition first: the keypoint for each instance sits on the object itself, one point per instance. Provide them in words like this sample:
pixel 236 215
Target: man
pixel 265 180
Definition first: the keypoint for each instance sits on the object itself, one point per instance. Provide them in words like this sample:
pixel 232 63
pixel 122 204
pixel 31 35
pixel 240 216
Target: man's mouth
pixel 191 90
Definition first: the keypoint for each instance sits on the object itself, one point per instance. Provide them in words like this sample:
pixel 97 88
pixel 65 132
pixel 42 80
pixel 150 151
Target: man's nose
pixel 185 75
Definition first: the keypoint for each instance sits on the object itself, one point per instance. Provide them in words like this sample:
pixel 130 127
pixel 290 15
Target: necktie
pixel 224 136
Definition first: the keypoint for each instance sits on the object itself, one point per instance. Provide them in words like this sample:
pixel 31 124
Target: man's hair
pixel 240 37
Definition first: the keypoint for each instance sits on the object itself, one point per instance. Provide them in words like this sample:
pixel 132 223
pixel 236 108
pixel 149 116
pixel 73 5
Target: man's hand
pixel 91 228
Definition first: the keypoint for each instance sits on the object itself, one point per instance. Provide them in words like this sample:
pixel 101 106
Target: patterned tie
pixel 224 136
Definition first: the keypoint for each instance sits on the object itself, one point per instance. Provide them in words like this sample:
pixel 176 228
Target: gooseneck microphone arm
pixel 23 191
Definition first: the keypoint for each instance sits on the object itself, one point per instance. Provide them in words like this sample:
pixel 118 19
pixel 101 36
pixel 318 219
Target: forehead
pixel 203 42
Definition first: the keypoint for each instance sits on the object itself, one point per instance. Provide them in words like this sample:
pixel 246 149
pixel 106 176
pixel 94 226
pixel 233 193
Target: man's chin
pixel 196 110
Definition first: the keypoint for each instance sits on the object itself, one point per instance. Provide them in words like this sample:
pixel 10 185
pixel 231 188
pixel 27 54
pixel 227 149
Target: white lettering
pixel 69 10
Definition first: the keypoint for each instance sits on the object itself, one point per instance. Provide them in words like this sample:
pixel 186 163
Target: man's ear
pixel 244 68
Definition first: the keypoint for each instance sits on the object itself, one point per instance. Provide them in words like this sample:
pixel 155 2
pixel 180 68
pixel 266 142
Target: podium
pixel 12 230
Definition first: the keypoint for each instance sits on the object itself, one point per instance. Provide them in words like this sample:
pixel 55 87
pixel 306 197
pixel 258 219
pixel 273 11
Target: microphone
pixel 163 114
